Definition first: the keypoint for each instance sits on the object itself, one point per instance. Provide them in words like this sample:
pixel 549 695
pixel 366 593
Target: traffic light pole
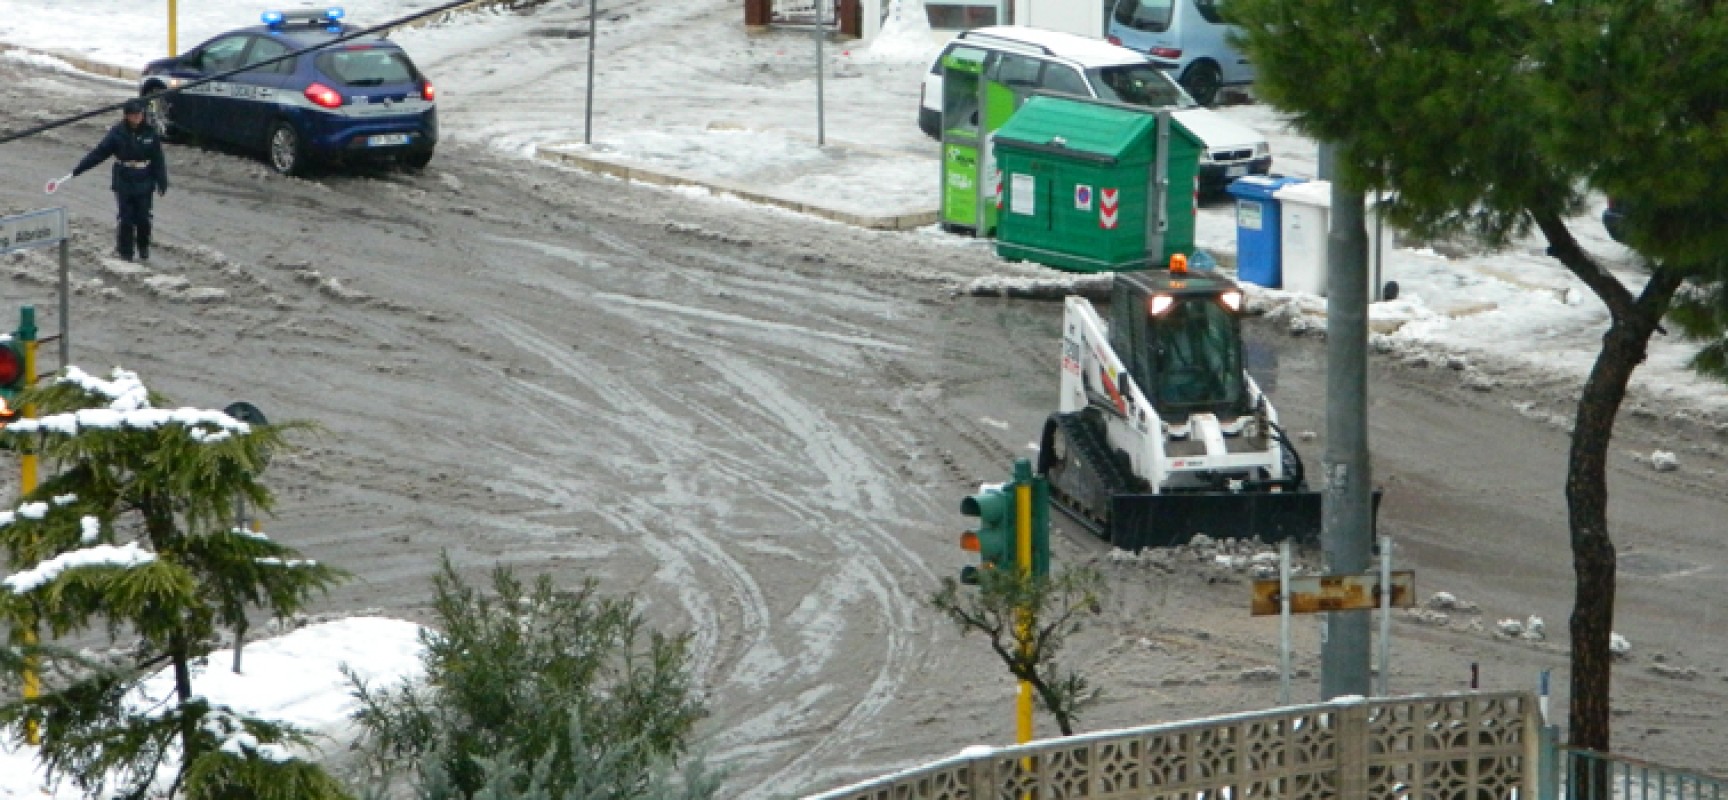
pixel 1013 533
pixel 27 479
pixel 1023 557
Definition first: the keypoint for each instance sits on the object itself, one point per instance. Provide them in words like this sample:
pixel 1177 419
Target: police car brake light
pixel 428 93
pixel 324 96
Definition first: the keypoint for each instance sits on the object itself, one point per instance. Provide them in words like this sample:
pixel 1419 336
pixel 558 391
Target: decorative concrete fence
pixel 1467 746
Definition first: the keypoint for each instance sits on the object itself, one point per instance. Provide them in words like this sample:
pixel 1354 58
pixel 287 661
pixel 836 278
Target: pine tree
pixel 1496 118
pixel 133 534
pixel 537 691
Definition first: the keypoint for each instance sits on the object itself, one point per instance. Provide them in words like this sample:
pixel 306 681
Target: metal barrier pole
pixel 1548 763
pixel 1284 623
pixel 1385 616
pixel 65 303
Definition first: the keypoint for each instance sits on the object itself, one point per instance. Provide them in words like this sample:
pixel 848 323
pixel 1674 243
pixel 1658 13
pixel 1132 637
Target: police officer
pixel 139 167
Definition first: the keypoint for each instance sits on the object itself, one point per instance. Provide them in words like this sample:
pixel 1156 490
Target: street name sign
pixel 33 229
pixel 1311 594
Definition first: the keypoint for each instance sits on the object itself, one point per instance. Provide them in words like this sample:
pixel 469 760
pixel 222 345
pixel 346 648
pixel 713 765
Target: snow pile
pixel 1531 629
pixel 1214 558
pixel 1446 601
pixel 294 678
pixel 905 36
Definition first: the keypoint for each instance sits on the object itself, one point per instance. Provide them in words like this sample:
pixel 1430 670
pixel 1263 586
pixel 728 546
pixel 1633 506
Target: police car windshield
pixel 1139 85
pixel 371 66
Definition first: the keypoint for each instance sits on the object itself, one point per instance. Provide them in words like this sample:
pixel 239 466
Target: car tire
pixel 157 114
pixel 286 153
pixel 416 160
pixel 930 122
pixel 1202 80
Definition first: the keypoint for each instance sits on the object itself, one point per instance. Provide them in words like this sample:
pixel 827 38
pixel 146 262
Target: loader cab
pixel 1181 334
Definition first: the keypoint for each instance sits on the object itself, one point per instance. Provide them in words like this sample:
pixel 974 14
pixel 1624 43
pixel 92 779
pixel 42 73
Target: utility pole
pixel 588 104
pixel 1347 510
pixel 821 122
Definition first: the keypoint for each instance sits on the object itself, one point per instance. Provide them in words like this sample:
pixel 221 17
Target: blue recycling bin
pixel 1259 249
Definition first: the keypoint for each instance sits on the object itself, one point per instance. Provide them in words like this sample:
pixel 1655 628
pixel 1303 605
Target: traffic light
pixel 993 541
pixel 999 513
pixel 12 372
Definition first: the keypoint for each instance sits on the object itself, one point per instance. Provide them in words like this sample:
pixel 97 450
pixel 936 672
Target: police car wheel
pixel 287 156
pixel 417 159
pixel 156 113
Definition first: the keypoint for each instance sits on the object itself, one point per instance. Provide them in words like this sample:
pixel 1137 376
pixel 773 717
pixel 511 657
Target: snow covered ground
pixel 294 678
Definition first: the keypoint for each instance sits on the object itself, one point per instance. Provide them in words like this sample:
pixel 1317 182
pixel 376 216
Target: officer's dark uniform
pixel 139 167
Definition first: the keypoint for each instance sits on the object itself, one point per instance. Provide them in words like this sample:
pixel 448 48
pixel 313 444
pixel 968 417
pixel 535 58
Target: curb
pixel 897 222
pixel 80 63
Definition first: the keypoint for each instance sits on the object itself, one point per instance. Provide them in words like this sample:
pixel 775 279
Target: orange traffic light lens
pixel 969 541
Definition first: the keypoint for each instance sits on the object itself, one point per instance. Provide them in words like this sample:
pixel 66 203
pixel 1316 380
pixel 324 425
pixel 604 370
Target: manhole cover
pixel 1647 565
pixel 560 33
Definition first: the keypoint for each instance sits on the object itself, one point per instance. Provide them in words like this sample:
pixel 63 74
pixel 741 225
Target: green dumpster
pixel 1089 186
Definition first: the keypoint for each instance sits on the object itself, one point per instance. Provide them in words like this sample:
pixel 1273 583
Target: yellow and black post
pixel 1023 560
pixel 17 373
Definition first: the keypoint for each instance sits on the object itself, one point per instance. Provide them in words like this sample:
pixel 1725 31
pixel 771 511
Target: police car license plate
pixel 1239 169
pixel 386 140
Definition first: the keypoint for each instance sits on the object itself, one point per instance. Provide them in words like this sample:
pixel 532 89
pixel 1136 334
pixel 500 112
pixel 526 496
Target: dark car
pixel 362 98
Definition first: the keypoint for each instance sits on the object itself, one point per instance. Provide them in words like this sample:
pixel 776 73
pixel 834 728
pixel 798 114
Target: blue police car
pixel 360 98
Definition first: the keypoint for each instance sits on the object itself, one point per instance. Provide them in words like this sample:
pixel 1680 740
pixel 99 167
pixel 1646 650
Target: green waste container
pixel 973 107
pixel 1084 187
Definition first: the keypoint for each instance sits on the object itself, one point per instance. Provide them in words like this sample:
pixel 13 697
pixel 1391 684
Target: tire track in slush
pixel 629 408
pixel 852 483
pixel 737 471
pixel 846 486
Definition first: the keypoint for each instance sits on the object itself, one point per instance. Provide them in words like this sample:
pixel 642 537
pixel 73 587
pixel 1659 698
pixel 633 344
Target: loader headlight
pixel 1160 303
pixel 1232 300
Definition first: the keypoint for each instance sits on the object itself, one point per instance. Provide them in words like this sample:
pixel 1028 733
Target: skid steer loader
pixel 1160 434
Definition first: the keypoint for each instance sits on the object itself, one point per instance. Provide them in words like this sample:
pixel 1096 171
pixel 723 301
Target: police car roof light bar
pixel 330 18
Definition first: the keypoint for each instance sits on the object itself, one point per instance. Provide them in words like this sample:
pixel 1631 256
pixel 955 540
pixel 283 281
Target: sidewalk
pixel 774 168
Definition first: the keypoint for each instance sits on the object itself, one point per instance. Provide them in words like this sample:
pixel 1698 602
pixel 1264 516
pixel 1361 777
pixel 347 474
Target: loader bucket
pixel 1165 520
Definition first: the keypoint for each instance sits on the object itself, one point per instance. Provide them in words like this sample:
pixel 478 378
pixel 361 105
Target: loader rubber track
pixel 1088 474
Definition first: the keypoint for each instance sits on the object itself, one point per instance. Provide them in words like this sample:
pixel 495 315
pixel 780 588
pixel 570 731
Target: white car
pixel 1029 59
pixel 1188 38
